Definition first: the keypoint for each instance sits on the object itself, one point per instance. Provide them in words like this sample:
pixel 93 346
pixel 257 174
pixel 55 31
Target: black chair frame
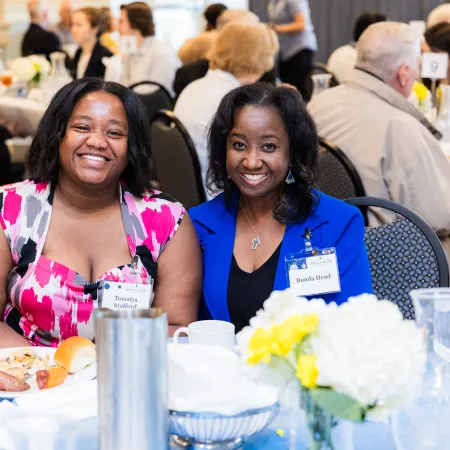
pixel 347 164
pixel 323 68
pixel 428 232
pixel 158 85
pixel 169 118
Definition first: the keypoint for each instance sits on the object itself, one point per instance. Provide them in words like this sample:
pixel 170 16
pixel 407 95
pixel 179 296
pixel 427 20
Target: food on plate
pixel 52 377
pixel 75 353
pixel 42 378
pixel 23 363
pixel 56 376
pixel 10 383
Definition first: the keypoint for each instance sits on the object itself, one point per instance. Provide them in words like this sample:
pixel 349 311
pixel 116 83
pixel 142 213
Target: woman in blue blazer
pixel 263 155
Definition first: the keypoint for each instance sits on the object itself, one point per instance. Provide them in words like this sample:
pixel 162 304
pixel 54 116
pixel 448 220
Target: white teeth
pixel 254 177
pixel 94 158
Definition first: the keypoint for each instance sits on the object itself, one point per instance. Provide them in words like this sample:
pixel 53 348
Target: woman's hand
pixel 179 277
pixel 297 26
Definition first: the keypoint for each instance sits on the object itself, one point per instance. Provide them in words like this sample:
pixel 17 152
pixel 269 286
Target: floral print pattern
pixel 49 302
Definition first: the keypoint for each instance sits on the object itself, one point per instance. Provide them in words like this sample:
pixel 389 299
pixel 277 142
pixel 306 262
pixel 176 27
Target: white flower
pixel 41 64
pixel 23 69
pixel 367 351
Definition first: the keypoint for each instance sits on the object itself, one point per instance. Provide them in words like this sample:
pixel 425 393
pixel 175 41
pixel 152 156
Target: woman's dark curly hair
pixel 296 199
pixel 43 157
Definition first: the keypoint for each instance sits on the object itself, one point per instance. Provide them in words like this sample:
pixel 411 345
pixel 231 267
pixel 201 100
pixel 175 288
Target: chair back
pixel 321 68
pixel 338 177
pixel 154 96
pixel 176 162
pixel 404 255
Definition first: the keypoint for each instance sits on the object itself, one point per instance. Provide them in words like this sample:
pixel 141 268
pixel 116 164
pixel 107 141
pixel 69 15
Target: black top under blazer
pixel 95 68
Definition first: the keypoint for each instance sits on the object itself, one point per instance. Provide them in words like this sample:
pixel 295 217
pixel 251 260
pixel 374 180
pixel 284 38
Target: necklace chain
pixel 256 241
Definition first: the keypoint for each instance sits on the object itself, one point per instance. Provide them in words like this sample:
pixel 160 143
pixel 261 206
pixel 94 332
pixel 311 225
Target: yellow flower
pixel 421 91
pixel 37 67
pixel 307 371
pixel 280 339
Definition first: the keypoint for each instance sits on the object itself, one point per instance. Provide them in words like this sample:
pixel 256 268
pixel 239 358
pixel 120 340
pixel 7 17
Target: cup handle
pixel 177 333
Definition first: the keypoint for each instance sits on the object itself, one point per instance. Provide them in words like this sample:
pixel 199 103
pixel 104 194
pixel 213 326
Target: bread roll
pixel 75 353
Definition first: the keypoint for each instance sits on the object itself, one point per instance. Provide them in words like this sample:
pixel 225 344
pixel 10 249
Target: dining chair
pixel 404 255
pixel 154 96
pixel 338 176
pixel 176 161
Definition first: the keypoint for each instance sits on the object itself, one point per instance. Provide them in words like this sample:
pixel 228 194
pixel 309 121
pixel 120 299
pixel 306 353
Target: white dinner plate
pixel 89 373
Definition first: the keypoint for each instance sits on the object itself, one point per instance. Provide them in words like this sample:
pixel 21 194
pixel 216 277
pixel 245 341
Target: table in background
pixel 27 113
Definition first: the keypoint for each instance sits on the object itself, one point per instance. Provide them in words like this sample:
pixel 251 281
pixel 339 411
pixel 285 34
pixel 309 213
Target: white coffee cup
pixel 208 332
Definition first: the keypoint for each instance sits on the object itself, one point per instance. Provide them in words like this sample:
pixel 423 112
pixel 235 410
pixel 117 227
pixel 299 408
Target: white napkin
pixel 75 402
pixel 209 378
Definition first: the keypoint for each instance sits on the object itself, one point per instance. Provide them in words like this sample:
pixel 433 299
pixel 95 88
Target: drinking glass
pixel 6 78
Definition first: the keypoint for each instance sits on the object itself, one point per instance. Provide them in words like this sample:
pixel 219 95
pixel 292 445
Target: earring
pixel 290 178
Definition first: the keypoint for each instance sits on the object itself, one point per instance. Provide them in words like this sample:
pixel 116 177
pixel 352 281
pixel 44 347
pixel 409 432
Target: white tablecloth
pixel 27 113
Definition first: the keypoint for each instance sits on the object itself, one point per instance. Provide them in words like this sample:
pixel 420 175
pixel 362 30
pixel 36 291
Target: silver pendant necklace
pixel 256 241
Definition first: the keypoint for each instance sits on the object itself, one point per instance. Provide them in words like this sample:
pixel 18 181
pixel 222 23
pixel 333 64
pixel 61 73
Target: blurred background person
pixel 86 29
pixel 198 47
pixel 241 55
pixel 391 144
pixel 439 14
pixel 38 39
pixel 63 27
pixel 154 60
pixel 291 19
pixel 342 61
pixel 437 40
pixel 109 28
pixel 188 73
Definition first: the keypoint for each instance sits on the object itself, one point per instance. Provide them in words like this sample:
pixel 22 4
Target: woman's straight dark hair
pixel 296 200
pixel 43 157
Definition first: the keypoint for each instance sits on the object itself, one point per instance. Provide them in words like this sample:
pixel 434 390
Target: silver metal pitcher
pixel 132 379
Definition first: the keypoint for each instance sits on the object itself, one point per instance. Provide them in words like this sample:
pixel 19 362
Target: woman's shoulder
pixel 334 211
pixel 156 201
pixel 338 209
pixel 210 210
pixel 24 189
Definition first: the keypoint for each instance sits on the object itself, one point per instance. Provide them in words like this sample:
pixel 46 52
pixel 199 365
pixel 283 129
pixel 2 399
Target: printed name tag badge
pixel 120 296
pixel 314 273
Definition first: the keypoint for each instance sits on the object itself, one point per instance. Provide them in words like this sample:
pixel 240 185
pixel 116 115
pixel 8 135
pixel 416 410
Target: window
pixel 177 20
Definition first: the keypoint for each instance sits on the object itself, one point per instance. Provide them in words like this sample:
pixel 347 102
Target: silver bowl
pixel 210 431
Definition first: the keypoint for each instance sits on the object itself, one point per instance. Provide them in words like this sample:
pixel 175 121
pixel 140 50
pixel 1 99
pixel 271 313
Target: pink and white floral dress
pixel 49 302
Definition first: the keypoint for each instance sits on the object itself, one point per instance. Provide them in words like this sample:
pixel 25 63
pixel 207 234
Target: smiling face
pixel 258 152
pixel 94 148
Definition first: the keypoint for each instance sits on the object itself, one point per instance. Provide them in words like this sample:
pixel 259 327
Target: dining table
pixel 284 433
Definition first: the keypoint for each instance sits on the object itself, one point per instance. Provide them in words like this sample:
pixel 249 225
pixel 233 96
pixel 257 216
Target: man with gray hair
pixel 393 147
pixel 38 39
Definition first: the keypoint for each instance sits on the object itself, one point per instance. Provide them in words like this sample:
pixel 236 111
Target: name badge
pixel 127 45
pixel 120 296
pixel 314 273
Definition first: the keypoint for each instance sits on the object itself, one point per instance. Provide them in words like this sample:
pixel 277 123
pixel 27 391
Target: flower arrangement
pixel 353 361
pixel 31 69
pixel 421 98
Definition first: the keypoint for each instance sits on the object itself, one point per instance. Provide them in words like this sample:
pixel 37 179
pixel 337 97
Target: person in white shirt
pixel 153 60
pixel 342 61
pixel 392 146
pixel 241 55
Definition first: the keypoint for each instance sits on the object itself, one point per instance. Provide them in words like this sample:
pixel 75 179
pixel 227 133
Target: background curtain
pixel 334 19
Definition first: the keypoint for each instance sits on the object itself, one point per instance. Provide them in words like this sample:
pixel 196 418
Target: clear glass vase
pixel 423 424
pixel 311 427
pixel 443 116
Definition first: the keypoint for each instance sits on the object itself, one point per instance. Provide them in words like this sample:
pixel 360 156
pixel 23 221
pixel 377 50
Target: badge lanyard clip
pixel 310 251
pixel 134 269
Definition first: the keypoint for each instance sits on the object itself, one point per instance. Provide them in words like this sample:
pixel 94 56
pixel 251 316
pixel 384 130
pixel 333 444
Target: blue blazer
pixel 333 224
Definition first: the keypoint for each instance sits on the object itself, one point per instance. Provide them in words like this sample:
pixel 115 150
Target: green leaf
pixel 338 405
